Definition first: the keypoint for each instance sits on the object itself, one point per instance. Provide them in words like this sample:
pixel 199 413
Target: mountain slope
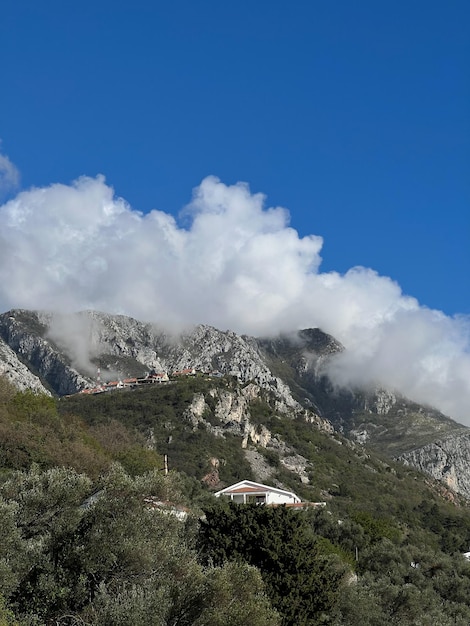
pixel 288 372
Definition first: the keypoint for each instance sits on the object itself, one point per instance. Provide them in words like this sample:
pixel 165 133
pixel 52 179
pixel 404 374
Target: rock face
pixel 447 460
pixel 63 354
pixel 25 333
pixel 17 373
pixel 67 351
pixel 232 411
pixel 232 414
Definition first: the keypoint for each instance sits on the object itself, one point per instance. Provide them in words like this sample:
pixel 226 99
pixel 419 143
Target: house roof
pixel 248 490
pixel 248 486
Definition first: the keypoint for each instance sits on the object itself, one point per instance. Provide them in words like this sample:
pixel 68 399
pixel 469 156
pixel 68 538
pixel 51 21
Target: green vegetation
pixel 158 412
pixel 302 580
pixel 73 552
pixel 82 541
pixel 32 430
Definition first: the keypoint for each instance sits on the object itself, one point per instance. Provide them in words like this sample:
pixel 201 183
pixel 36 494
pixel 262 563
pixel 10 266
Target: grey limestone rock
pixel 447 460
pixel 17 373
pixel 67 350
pixel 25 334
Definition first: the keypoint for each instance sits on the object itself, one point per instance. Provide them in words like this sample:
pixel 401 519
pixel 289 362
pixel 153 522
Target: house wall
pixel 248 491
pixel 279 498
pixel 269 498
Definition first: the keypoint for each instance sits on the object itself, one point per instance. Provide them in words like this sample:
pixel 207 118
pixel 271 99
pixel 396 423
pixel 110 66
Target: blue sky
pixel 354 116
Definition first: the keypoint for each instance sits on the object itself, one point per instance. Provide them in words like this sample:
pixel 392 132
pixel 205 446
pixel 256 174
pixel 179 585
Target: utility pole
pixel 165 468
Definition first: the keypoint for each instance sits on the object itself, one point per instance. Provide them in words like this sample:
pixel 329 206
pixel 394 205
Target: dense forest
pixel 89 533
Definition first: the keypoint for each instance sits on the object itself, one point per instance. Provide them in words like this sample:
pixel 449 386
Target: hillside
pixel 219 432
pixel 379 515
pixel 62 354
pixel 188 421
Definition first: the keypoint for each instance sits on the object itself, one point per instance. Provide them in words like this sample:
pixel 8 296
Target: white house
pixel 246 491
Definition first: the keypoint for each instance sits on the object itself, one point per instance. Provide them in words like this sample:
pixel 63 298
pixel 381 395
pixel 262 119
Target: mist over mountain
pixel 232 263
pixel 287 374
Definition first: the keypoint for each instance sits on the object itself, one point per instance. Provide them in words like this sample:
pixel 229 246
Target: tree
pixel 301 581
pixel 236 597
pixel 106 554
pixel 44 513
pixel 6 616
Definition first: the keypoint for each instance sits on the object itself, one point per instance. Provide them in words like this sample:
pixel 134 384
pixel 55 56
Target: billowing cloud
pixel 237 265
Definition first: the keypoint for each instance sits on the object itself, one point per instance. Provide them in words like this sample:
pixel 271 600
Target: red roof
pixel 247 490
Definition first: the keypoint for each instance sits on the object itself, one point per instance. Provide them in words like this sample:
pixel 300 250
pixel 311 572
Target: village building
pixel 247 491
pixel 189 371
pixel 158 377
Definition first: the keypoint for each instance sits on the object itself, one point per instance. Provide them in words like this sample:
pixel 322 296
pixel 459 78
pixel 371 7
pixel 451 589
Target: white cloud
pixel 9 174
pixel 238 265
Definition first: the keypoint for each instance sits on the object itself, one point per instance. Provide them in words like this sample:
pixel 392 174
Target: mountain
pixel 16 372
pixel 276 376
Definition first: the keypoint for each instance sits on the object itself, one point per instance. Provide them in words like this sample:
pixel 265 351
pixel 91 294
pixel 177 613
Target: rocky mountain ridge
pixel 61 354
pixel 67 351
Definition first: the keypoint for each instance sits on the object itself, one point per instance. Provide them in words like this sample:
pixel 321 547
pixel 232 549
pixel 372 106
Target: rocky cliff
pixel 26 333
pixel 232 413
pixel 446 460
pixel 67 351
pixel 16 372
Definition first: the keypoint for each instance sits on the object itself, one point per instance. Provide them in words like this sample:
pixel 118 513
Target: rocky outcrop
pixel 212 478
pixel 25 334
pixel 208 349
pixel 231 414
pixel 381 402
pixel 298 464
pixel 17 373
pixel 260 467
pixel 231 411
pixel 446 460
